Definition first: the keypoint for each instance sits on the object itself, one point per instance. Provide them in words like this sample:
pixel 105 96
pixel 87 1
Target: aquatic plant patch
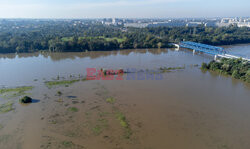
pixel 124 123
pixel 15 92
pixel 6 107
pixel 132 74
pixel 51 84
pixel 110 100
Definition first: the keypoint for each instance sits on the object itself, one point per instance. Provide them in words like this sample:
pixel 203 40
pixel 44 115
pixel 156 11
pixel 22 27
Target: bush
pixel 26 99
pixel 236 74
pixel 214 65
pixel 237 68
pixel 204 66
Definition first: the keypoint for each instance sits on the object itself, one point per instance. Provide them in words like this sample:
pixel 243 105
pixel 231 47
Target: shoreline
pixel 47 51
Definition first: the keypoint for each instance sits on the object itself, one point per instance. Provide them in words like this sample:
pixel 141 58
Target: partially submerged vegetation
pixel 73 109
pixel 51 84
pixel 97 130
pixel 25 100
pixel 110 100
pixel 67 144
pixel 18 89
pixel 124 123
pixel 15 92
pixel 168 69
pixel 121 117
pixel 59 93
pixel 52 142
pixel 101 125
pixel 4 108
pixel 237 68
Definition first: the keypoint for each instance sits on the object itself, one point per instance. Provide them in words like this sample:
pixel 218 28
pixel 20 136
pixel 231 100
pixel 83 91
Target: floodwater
pixel 186 108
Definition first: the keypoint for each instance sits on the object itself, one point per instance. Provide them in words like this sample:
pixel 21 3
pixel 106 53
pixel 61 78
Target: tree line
pixel 61 36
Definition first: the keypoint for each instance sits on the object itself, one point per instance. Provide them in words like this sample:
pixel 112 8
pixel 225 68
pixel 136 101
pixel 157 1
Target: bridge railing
pixel 203 48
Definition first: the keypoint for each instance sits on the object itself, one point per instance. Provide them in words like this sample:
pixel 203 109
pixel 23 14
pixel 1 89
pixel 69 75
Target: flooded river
pixel 184 108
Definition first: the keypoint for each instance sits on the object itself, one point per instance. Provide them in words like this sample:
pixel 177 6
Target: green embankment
pixel 237 68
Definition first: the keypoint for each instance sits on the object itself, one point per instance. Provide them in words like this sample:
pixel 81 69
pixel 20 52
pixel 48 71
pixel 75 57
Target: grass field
pixel 119 40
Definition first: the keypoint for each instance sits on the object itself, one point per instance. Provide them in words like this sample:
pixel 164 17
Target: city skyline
pixel 123 8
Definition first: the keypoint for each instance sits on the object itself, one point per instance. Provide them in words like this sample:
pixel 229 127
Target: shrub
pixel 237 68
pixel 204 66
pixel 26 99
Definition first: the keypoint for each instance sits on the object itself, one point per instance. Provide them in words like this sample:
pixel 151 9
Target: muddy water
pixel 186 109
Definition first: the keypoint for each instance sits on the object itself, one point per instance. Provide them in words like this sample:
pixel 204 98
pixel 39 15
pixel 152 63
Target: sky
pixel 123 8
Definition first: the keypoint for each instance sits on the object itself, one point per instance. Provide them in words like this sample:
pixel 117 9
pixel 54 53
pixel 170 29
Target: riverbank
pixel 237 68
pixel 229 47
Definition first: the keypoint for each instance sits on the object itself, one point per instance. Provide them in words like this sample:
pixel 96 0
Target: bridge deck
pixel 213 50
pixel 203 47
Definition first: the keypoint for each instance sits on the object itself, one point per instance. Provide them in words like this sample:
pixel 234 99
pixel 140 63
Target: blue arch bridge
pixel 217 52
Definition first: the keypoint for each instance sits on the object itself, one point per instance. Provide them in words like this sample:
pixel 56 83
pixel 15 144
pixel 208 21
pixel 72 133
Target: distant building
pixel 114 21
pixel 234 21
pixel 193 24
pixel 137 25
pixel 168 24
pixel 243 24
pixel 210 24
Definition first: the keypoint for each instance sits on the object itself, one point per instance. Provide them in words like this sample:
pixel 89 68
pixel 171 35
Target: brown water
pixel 187 109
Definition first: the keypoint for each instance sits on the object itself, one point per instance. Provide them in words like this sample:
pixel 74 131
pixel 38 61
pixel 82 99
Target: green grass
pixel 4 108
pixel 124 123
pixel 67 39
pixel 103 122
pixel 73 109
pixel 121 117
pixel 172 68
pixel 97 129
pixel 67 144
pixel 16 90
pixel 50 84
pixel 119 40
pixel 110 100
pixel 128 133
pixel 100 125
pixel 53 122
pixel 8 93
pixel 168 69
pixel 13 95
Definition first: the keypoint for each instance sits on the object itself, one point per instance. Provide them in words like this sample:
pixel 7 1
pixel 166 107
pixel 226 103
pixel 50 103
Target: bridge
pixel 208 49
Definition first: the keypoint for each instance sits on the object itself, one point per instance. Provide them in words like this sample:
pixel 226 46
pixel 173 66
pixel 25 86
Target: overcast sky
pixel 123 8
